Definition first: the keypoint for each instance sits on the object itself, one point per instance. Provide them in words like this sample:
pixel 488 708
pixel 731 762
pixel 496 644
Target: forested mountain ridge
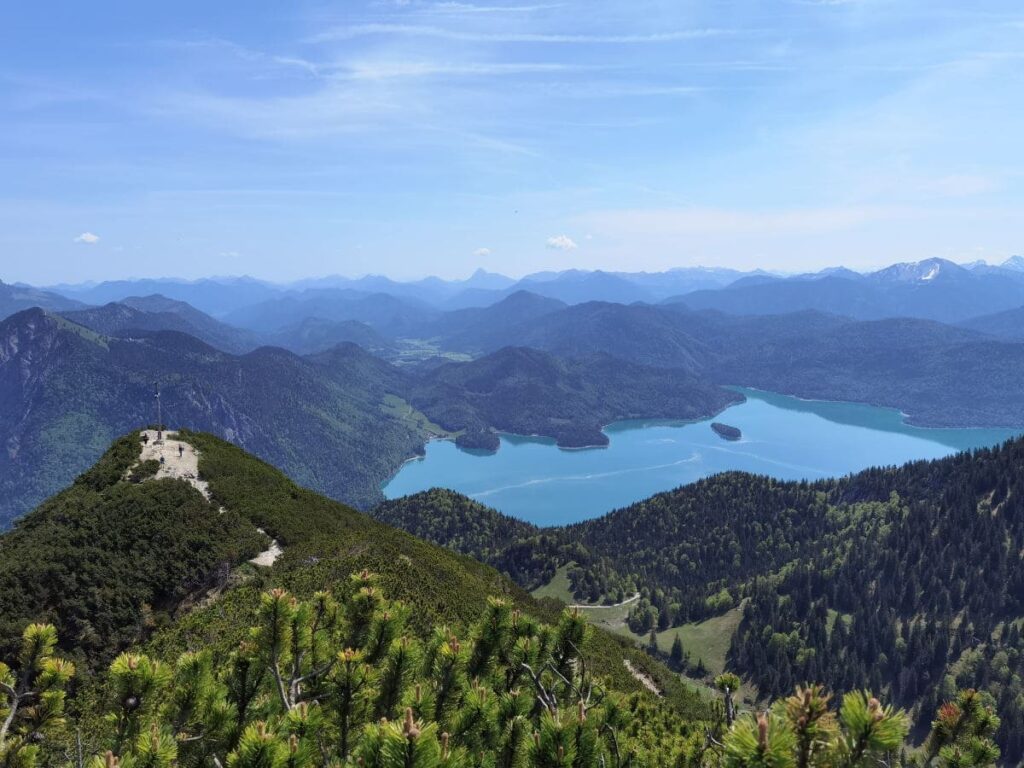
pixel 906 579
pixel 933 289
pixel 1008 324
pixel 66 391
pixel 902 363
pixel 529 392
pixel 157 313
pixel 340 421
pixel 122 560
pixel 940 375
pixel 16 298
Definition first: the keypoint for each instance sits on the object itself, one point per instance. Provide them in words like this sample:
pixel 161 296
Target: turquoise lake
pixel 532 479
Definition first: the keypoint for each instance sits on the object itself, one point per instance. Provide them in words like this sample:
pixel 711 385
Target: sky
pixel 413 137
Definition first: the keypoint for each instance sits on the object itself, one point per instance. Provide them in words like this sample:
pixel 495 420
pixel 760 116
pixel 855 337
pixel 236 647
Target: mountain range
pixel 340 421
pixel 527 364
pixel 902 580
pixel 934 289
pixel 919 289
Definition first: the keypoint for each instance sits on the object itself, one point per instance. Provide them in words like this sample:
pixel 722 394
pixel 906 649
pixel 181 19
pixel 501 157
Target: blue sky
pixel 414 137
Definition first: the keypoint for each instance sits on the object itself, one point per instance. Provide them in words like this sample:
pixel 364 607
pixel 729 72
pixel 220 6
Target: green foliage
pixel 99 558
pixel 515 548
pixel 529 392
pixel 903 580
pixel 962 733
pixel 323 422
pixel 32 697
pixel 144 470
pixel 145 553
pixel 113 464
pixel 334 679
pixel 802 732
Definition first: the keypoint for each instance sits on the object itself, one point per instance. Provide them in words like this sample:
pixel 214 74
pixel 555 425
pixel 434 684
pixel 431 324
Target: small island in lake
pixel 478 439
pixel 726 432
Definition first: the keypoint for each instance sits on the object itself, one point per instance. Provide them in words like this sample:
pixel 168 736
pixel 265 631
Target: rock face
pixel 725 431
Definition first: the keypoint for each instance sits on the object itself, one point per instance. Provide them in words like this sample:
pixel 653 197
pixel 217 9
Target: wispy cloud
pixel 416 30
pixel 456 8
pixel 373 70
pixel 681 222
pixel 481 253
pixel 87 238
pixel 960 185
pixel 827 3
pixel 327 111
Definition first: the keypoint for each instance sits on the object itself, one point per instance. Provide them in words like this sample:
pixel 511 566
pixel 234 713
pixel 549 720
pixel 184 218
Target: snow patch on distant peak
pixel 931 273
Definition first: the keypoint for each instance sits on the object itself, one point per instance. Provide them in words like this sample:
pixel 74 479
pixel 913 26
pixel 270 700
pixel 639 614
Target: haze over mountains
pixel 338 383
pixel 935 288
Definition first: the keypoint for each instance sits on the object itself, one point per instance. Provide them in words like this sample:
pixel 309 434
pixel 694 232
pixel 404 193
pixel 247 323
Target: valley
pixel 598 456
pixel 512 384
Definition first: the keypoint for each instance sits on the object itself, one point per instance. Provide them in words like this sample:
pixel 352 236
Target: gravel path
pixel 180 461
pixel 643 679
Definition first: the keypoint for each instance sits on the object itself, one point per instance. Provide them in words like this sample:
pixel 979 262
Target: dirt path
pixel 643 679
pixel 180 460
pixel 627 601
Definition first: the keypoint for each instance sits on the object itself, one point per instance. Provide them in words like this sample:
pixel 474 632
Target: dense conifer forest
pixel 901 581
pixel 905 580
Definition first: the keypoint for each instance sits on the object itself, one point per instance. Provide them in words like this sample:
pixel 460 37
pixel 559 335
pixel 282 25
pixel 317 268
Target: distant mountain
pixel 489 280
pixel 434 291
pixel 934 289
pixel 685 279
pixel 315 334
pixel 1008 324
pixel 779 296
pixel 577 287
pixel 939 374
pixel 15 298
pixel 215 296
pixel 158 313
pixel 1016 263
pixel 479 329
pixel 919 272
pixel 580 286
pixel 385 313
pixel 526 391
pixel 66 391
pixel 641 334
pixel 339 421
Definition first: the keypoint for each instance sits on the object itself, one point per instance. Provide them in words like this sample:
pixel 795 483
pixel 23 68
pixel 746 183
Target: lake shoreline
pixel 906 418
pixel 451 438
pixel 785 437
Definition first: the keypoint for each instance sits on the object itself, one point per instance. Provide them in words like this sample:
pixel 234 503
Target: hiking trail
pixel 180 461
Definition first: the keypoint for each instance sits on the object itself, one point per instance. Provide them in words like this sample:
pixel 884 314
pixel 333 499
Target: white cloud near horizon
pixel 561 243
pixel 88 238
pixel 482 252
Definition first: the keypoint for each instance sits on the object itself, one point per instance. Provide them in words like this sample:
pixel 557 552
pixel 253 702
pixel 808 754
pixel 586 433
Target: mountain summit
pixel 919 271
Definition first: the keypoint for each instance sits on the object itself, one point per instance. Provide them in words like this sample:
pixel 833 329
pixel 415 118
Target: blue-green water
pixel 532 479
